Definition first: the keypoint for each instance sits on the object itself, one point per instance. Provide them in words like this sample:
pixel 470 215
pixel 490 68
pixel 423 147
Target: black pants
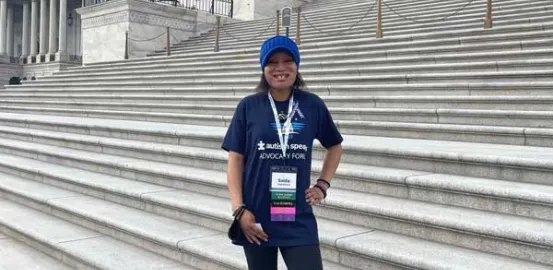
pixel 296 258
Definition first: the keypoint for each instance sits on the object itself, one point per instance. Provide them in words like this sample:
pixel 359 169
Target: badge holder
pixel 283 178
pixel 283 193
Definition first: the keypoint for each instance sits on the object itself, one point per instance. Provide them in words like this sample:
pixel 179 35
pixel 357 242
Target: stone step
pixel 515 163
pixel 428 34
pixel 16 255
pixel 74 245
pixel 352 119
pixel 377 52
pixel 360 112
pixel 523 76
pixel 425 12
pixel 252 71
pixel 229 40
pixel 332 233
pixel 313 28
pixel 334 23
pixel 525 237
pixel 491 88
pixel 519 103
pixel 170 65
pixel 351 39
pixel 167 237
pixel 447 132
pixel 531 200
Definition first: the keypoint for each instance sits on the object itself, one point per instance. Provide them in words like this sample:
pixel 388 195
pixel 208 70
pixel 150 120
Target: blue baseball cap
pixel 277 44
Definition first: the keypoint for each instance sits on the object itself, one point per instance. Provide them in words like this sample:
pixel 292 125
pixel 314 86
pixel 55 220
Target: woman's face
pixel 281 71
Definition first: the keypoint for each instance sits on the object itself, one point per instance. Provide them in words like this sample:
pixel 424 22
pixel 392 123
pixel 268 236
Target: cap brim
pixel 274 50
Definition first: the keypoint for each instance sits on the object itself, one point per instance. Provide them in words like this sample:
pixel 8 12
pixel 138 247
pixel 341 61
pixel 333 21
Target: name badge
pixel 283 193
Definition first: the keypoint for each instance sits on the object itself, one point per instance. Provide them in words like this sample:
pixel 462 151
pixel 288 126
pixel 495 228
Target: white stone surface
pixel 16 255
pixel 3 27
pixel 259 9
pixel 34 29
pixel 43 28
pixel 104 43
pixel 43 69
pixel 26 29
pixel 412 252
pixel 85 245
pixel 10 34
pixel 104 27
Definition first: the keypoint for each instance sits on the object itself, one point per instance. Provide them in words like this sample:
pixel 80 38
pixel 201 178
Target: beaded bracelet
pixel 324 181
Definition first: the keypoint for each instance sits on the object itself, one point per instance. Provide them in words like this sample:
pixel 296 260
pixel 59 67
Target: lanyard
pixel 287 124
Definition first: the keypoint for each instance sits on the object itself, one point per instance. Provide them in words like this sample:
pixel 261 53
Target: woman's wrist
pixel 324 183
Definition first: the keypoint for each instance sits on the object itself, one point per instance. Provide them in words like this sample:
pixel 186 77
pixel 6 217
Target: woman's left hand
pixel 314 196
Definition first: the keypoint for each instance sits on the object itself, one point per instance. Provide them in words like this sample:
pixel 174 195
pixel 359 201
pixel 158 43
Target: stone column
pixel 25 35
pixel 3 27
pixel 43 35
pixel 62 53
pixel 53 46
pixel 9 39
pixel 34 32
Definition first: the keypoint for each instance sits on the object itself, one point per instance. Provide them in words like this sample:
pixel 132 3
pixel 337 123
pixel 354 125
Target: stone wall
pixel 43 69
pixel 104 27
pixel 259 9
pixel 9 70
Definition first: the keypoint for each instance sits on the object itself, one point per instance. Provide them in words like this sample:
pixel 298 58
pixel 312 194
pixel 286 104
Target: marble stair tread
pixel 228 109
pixel 493 154
pixel 252 70
pixel 217 101
pixel 336 233
pixel 351 141
pixel 497 154
pixel 16 255
pixel 506 190
pixel 176 234
pixel 352 119
pixel 333 47
pixel 419 254
pixel 466 75
pixel 510 227
pixel 527 230
pixel 342 58
pixel 468 88
pixel 167 129
pixel 88 247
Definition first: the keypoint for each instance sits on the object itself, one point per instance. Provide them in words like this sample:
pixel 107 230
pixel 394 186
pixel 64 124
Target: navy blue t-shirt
pixel 253 134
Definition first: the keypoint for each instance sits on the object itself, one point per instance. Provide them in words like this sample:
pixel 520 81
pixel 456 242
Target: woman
pixel 269 184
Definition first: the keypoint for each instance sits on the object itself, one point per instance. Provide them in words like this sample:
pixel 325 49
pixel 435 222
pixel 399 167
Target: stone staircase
pixel 447 161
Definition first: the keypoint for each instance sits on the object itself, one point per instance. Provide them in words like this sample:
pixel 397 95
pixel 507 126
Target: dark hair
pixel 264 86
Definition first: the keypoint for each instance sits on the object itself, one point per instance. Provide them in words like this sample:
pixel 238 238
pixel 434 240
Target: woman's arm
pixel 315 194
pixel 331 162
pixel 234 179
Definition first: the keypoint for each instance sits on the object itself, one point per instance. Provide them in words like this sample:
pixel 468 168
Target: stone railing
pixel 218 7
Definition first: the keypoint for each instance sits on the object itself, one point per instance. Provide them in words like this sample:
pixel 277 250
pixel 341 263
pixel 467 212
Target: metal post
pixel 168 42
pixel 298 27
pixel 488 21
pixel 217 33
pixel 379 32
pixel 278 23
pixel 127 45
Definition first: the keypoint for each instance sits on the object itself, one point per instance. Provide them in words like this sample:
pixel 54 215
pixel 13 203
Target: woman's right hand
pixel 250 230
